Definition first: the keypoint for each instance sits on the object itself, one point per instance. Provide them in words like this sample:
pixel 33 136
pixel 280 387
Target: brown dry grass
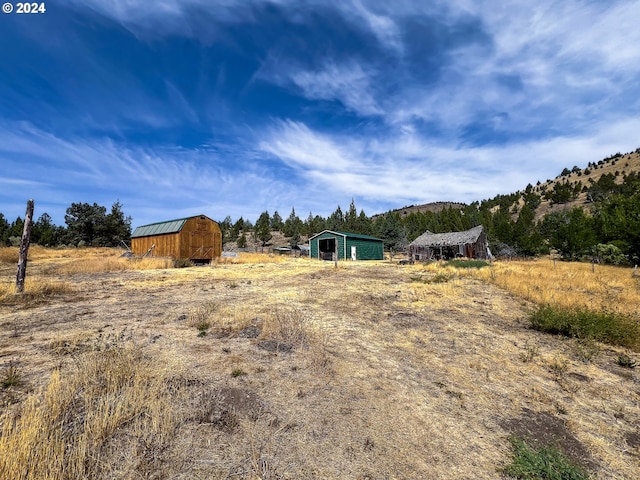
pixel 8 255
pixel 36 290
pixel 249 258
pixel 387 375
pixel 75 428
pixel 109 264
pixel 568 284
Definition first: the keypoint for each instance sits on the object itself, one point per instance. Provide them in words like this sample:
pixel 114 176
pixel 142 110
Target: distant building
pixel 198 239
pixel 432 246
pixel 302 250
pixel 345 246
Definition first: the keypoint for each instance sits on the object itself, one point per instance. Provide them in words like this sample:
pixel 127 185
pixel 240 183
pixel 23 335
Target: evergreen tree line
pixel 86 225
pixel 608 226
pixel 295 228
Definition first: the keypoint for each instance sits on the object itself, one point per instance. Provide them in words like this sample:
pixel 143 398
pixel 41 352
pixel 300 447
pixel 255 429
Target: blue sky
pixel 229 107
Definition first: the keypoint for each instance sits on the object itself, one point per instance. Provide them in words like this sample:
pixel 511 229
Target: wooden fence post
pixel 24 248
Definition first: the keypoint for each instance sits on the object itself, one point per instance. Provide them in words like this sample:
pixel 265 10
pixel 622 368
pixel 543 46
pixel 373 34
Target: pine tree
pixel 364 224
pixel 44 232
pixel 262 228
pixel 276 221
pixel 335 221
pixel 351 218
pixel 4 230
pixel 242 241
pixel 292 225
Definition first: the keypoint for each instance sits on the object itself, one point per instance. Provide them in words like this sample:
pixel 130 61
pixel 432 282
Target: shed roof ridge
pixel 346 234
pixel 170 221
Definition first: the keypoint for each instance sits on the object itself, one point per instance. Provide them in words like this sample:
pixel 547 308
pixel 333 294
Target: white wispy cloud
pixel 381 24
pixel 298 146
pixel 349 84
pixel 156 183
pixel 407 168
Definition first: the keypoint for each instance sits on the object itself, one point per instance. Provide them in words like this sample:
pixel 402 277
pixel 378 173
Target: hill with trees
pixel 584 213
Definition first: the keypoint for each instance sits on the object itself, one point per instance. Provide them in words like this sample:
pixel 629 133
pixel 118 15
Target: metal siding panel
pixel 366 248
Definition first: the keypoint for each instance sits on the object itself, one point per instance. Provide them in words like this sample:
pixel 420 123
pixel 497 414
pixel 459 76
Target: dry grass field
pixel 281 368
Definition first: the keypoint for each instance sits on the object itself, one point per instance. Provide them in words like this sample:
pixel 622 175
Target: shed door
pixel 201 245
pixel 353 253
pixel 326 248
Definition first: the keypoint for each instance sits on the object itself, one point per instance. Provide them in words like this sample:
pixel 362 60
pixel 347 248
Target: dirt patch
pixel 274 346
pixel 406 320
pixel 633 439
pixel 223 407
pixel 540 429
pixel 579 377
pixel 252 331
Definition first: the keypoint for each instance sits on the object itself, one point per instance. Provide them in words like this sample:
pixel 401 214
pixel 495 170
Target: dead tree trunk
pixel 24 248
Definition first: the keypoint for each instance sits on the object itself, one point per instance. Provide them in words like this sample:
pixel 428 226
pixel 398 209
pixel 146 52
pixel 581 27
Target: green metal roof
pixel 160 228
pixel 350 235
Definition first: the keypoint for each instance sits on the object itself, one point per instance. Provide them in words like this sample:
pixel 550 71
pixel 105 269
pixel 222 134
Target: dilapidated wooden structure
pixel 198 239
pixel 434 246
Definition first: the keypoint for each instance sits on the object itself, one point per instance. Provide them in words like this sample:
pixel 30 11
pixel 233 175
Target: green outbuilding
pixel 346 246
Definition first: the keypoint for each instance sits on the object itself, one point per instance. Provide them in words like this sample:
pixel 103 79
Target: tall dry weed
pixel 36 290
pixel 110 264
pixel 250 258
pixel 295 328
pixel 567 284
pixel 111 402
pixel 287 325
pixel 8 255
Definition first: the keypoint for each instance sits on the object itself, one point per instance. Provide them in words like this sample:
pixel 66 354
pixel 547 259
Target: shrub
pixel 546 463
pixel 610 254
pixel 626 361
pixel 10 376
pixel 468 263
pixel 182 263
pixel 201 316
pixel 603 326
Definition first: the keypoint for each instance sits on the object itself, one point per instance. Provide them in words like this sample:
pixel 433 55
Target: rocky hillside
pixel 572 187
pixel 434 207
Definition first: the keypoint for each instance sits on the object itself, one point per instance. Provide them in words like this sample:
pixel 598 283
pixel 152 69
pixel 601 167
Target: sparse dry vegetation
pixel 370 370
pixel 110 264
pixel 106 416
pixel 37 290
pixel 251 258
pixel 8 255
pixel 568 284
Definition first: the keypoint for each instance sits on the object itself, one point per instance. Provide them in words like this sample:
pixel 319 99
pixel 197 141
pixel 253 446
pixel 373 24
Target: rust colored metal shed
pixel 198 239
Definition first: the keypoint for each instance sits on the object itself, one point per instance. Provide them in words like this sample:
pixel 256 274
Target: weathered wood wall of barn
pixel 166 245
pixel 199 239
